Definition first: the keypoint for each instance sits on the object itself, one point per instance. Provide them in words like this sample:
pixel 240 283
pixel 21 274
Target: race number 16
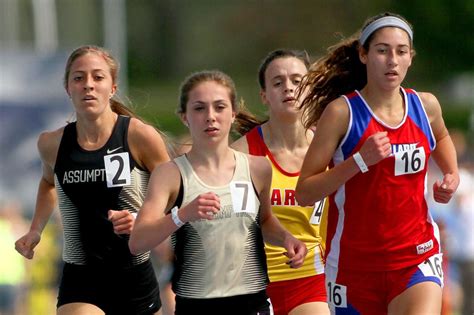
pixel 410 161
pixel 432 267
pixel 337 294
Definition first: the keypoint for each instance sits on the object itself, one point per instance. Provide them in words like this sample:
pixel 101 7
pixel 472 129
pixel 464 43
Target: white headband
pixel 383 22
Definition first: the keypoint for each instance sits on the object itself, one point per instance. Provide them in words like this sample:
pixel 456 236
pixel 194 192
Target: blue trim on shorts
pixel 349 310
pixel 419 277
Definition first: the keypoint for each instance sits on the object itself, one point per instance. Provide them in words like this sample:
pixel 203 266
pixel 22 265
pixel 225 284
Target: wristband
pixel 175 217
pixel 360 162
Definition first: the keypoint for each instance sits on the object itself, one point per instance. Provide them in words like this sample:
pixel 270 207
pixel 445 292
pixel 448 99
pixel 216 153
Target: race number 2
pixel 243 196
pixel 117 169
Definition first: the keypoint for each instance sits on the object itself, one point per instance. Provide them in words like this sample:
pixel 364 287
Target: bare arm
pixel 46 199
pixel 147 145
pixel 154 224
pixel 149 150
pixel 272 230
pixel 444 153
pixel 315 181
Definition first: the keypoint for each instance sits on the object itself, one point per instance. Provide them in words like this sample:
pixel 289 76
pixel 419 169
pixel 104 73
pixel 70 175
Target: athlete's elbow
pixel 303 198
pixel 302 193
pixel 134 246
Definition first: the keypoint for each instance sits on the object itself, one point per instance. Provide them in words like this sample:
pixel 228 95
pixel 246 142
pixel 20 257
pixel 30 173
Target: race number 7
pixel 243 196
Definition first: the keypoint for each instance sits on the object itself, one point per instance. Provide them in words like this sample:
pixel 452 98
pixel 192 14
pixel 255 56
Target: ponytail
pixel 336 74
pixel 245 120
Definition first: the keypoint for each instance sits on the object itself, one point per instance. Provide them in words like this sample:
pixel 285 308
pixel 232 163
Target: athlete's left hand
pixel 443 191
pixel 122 220
pixel 295 250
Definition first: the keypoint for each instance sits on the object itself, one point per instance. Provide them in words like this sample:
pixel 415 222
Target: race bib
pixel 409 161
pixel 337 294
pixel 243 196
pixel 317 212
pixel 117 169
pixel 432 267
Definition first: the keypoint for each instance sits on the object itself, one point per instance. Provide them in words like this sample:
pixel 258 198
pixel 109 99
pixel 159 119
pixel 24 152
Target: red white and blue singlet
pixel 379 220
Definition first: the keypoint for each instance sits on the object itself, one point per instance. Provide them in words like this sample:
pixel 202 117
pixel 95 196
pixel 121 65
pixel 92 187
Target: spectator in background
pixel 98 169
pixel 463 255
pixel 458 218
pixel 12 267
pixel 44 272
pixel 162 257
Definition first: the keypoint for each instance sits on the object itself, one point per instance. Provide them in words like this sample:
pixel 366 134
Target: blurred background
pixel 158 43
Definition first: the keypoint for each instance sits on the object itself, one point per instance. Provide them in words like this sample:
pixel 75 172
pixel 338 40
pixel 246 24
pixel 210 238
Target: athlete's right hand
pixel 203 206
pixel 375 148
pixel 26 244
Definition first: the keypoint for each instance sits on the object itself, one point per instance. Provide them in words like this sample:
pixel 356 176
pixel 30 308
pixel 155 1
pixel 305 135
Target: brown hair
pixel 196 78
pixel 116 105
pixel 245 120
pixel 277 54
pixel 339 72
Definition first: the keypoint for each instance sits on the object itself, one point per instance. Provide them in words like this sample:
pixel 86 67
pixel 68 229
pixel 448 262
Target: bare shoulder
pixel 48 145
pixel 261 172
pixel 146 144
pixel 435 115
pixel 241 145
pixel 337 109
pixel 140 131
pixel 259 166
pixel 170 171
pixel 431 105
pixel 428 97
pixel 334 119
pixel 167 168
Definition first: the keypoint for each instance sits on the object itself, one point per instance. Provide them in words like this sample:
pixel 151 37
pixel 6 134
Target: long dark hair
pixel 339 72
